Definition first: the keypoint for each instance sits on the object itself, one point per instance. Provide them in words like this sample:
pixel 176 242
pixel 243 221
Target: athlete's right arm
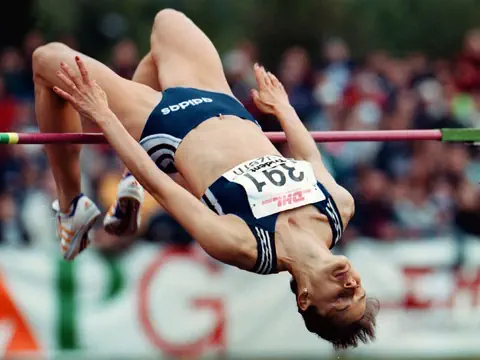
pixel 226 238
pixel 272 98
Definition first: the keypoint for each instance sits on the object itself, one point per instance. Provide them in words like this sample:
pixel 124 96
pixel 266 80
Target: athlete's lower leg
pixel 54 115
pixel 123 216
pixel 146 74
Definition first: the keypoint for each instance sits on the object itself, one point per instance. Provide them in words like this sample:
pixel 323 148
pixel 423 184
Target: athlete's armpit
pixel 342 197
pixel 231 242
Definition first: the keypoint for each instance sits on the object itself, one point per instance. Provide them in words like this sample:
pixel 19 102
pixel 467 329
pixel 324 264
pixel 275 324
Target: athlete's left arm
pixel 271 98
pixel 222 237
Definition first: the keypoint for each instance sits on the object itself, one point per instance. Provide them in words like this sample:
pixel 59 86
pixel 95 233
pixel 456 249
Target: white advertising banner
pixel 154 302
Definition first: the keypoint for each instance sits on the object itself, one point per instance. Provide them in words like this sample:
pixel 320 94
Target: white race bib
pixel 274 184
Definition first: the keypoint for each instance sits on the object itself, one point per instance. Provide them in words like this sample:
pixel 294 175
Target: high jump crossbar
pixel 469 135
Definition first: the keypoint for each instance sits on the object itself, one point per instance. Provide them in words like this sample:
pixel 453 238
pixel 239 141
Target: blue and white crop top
pixel 258 190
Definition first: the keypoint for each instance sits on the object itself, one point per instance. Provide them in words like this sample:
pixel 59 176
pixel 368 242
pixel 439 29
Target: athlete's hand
pixel 271 94
pixel 85 95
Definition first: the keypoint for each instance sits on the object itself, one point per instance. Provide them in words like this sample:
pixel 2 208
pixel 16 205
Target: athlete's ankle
pixel 65 200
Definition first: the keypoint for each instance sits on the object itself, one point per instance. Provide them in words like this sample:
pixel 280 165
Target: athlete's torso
pixel 216 146
pixel 208 139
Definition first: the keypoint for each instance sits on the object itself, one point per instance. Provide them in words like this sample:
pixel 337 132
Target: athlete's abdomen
pixel 216 146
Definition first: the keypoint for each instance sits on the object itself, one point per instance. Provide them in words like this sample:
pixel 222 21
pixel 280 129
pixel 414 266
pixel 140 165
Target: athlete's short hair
pixel 341 336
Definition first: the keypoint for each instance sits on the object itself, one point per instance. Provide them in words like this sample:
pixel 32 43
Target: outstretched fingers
pixel 83 71
pixel 77 81
pixel 274 80
pixel 266 78
pixel 67 81
pixel 63 94
pixel 259 76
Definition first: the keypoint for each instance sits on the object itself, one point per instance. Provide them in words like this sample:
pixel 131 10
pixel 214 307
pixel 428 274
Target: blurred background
pixel 347 65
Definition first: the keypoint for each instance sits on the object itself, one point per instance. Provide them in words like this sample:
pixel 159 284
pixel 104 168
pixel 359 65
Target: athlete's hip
pixel 183 111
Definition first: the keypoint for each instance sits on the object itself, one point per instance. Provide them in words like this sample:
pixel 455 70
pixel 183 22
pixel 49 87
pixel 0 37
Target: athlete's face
pixel 336 291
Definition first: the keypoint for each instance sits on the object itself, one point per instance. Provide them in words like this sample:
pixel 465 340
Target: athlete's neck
pixel 300 248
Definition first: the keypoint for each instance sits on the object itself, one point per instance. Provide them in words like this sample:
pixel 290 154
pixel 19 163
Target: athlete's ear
pixel 303 300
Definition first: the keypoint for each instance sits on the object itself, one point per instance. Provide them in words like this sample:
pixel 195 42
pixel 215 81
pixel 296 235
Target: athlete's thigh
pixel 130 101
pixel 184 55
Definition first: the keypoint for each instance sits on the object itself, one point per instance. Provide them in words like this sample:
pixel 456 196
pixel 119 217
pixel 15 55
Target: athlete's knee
pixel 43 54
pixel 42 57
pixel 165 16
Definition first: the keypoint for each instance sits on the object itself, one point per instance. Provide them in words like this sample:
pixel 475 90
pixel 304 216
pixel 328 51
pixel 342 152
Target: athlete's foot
pixel 73 228
pixel 123 217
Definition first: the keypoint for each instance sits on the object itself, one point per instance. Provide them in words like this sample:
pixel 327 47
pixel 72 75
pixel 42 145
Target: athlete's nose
pixel 351 283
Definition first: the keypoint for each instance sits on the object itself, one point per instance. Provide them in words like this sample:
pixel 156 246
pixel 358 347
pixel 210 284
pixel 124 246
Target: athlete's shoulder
pixel 344 201
pixel 342 197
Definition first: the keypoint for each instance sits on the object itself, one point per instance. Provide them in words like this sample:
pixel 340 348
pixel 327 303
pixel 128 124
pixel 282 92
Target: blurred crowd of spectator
pixel 402 189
